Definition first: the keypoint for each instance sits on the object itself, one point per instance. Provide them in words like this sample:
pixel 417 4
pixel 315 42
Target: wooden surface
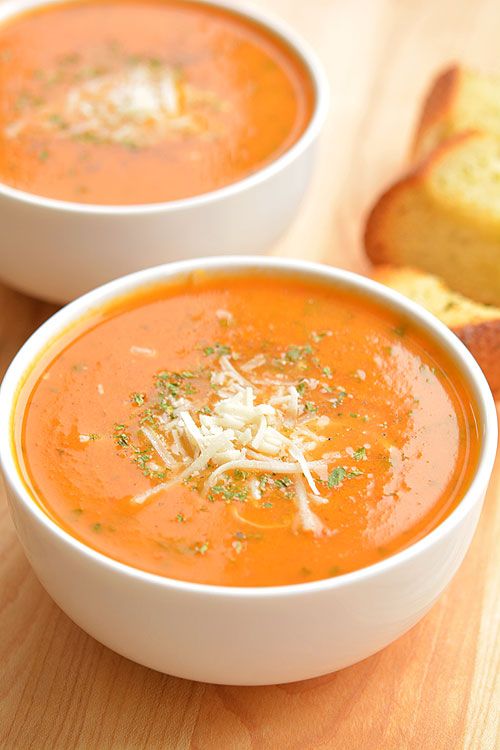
pixel 437 687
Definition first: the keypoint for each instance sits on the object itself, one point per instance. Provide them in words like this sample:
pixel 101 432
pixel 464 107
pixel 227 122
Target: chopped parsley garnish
pixel 296 353
pixel 201 548
pixel 147 417
pixel 121 437
pixel 301 387
pixel 142 458
pixel 359 454
pixel 283 482
pixel 293 354
pixel 218 349
pixel 228 493
pixel 336 476
pixel 138 398
pixel 264 479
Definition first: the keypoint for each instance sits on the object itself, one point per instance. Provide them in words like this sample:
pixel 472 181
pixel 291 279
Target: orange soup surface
pixel 246 431
pixel 123 102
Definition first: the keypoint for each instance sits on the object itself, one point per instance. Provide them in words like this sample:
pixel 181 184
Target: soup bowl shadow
pixel 231 635
pixel 58 250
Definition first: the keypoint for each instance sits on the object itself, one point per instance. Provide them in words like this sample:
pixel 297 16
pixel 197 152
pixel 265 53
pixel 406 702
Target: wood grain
pixel 437 687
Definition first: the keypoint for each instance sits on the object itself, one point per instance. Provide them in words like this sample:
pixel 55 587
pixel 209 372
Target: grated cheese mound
pixel 245 426
pixel 135 105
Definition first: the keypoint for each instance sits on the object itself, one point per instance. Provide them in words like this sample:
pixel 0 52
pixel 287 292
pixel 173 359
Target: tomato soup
pixel 246 431
pixel 123 102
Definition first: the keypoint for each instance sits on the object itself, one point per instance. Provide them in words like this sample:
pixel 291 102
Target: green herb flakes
pixel 296 353
pixel 336 476
pixel 218 349
pixel 353 473
pixel 138 398
pixel 293 354
pixel 120 436
pixel 201 548
pixel 359 454
pixel 301 387
pixel 283 482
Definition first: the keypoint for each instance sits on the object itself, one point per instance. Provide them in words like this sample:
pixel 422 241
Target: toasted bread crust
pixel 483 341
pixel 438 103
pixel 431 144
pixel 482 338
pixel 375 236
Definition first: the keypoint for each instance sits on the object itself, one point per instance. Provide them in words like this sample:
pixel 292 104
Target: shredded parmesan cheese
pixel 158 443
pixel 306 519
pixel 244 427
pixel 253 363
pixel 135 105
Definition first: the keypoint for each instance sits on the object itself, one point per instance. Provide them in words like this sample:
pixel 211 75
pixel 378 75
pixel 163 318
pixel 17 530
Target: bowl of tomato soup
pixel 245 471
pixel 133 133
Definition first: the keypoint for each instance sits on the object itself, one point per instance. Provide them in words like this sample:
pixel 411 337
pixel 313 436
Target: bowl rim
pixel 48 332
pixel 9 9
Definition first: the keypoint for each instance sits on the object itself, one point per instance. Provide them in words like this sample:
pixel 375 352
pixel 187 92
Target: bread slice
pixel 459 100
pixel 478 326
pixel 444 217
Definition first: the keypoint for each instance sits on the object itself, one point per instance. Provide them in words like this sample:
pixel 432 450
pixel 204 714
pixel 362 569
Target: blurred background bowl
pixel 58 250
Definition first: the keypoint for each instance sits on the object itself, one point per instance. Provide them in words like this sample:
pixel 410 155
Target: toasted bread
pixel 444 217
pixel 478 326
pixel 458 101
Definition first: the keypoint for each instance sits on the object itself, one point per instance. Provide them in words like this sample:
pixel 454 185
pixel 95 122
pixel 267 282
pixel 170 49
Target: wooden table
pixel 434 688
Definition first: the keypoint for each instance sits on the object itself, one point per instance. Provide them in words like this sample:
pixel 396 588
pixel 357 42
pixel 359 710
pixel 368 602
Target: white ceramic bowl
pixel 253 635
pixel 58 250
